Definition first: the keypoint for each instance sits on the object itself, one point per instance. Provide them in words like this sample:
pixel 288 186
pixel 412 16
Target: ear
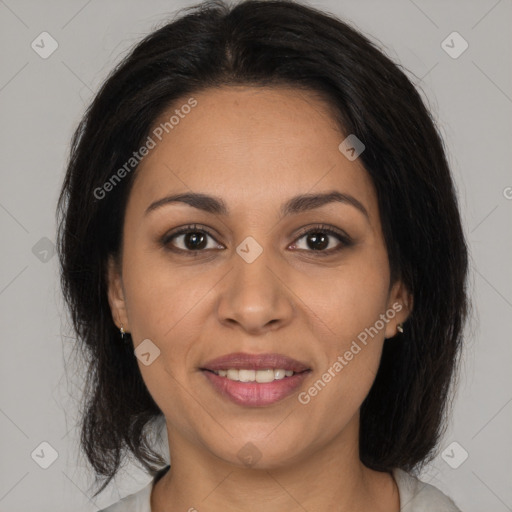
pixel 116 296
pixel 400 302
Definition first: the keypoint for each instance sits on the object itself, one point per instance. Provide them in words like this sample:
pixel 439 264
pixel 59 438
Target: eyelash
pixel 345 240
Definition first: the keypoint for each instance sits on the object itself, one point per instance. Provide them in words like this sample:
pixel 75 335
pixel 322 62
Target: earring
pixel 122 332
pixel 400 328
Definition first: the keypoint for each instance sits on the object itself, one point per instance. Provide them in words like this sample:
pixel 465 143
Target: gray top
pixel 415 496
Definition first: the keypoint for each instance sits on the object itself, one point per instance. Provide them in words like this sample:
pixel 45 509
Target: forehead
pixel 252 146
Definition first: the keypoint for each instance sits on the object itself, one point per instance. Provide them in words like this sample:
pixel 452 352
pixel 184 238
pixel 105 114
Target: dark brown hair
pixel 265 43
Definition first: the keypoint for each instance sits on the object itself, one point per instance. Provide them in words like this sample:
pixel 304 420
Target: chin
pixel 259 453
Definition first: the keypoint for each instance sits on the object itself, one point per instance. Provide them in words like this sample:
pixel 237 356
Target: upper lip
pixel 241 360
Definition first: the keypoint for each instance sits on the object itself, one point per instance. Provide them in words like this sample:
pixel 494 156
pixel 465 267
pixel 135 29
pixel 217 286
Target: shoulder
pixel 137 502
pixel 418 496
pixel 415 496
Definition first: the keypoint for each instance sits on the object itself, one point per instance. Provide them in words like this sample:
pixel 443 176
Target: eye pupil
pixel 314 238
pixel 195 240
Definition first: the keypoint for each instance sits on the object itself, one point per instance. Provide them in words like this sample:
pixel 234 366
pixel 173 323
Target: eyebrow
pixel 297 204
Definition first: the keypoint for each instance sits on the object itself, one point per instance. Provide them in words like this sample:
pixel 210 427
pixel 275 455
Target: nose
pixel 255 297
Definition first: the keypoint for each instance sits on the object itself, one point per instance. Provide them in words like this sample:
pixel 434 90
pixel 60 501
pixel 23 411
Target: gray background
pixel 42 100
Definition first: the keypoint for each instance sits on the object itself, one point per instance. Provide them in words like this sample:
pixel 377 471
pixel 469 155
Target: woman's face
pixel 256 284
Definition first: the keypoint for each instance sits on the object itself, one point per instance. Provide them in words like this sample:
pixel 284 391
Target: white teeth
pixel 264 375
pixel 261 376
pixel 246 375
pixel 279 374
pixel 232 374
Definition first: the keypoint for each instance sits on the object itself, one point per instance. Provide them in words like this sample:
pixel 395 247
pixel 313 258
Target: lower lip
pixel 255 394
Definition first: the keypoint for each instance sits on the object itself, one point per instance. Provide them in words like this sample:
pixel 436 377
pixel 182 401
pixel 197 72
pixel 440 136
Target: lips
pixel 242 389
pixel 241 360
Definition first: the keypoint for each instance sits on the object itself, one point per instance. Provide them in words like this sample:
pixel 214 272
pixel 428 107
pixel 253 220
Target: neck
pixel 327 477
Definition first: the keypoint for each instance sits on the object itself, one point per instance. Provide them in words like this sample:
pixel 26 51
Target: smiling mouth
pixel 255 380
pixel 255 387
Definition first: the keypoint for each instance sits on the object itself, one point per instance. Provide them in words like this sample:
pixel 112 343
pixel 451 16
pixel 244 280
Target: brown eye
pixel 189 239
pixel 317 241
pixel 194 240
pixel 323 240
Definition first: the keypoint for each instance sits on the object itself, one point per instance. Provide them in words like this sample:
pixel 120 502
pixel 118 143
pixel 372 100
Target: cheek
pixel 347 300
pixel 348 330
pixel 161 297
pixel 168 307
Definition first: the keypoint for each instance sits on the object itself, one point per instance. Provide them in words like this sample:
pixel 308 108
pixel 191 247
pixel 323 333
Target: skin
pixel 255 148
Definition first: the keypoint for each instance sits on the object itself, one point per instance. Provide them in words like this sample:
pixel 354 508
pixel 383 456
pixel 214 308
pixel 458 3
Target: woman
pixel 260 243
